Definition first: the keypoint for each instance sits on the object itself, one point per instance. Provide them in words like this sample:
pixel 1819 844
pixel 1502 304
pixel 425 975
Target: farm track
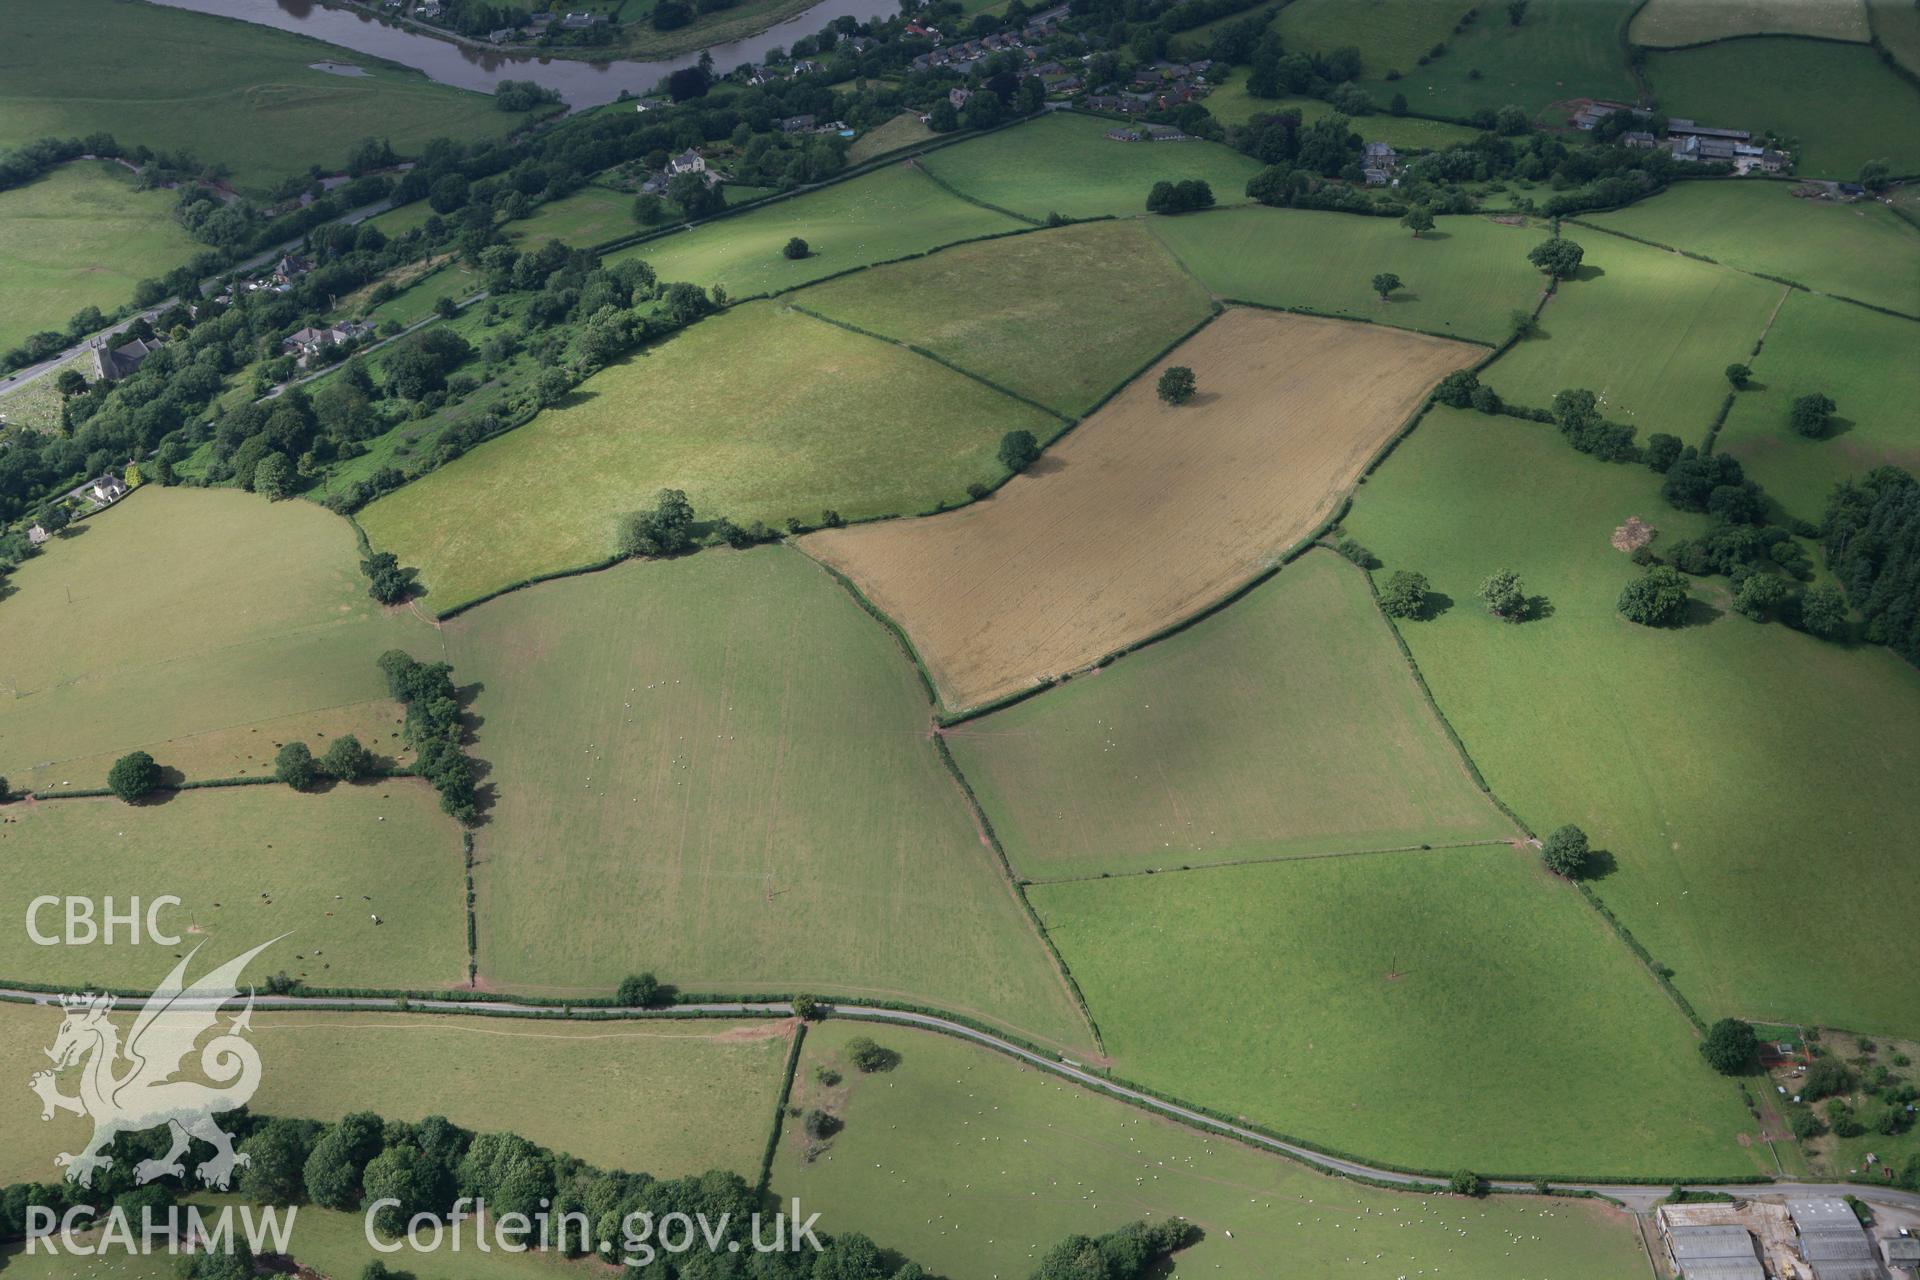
pixel 1637 1197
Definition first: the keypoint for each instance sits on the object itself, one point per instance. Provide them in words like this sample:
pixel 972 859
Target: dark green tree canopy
pixel 133 776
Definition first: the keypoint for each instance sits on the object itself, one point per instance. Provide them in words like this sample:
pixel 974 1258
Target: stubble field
pixel 1146 512
pixel 1664 23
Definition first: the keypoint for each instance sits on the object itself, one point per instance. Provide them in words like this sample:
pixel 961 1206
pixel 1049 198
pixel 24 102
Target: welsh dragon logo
pixel 131 1088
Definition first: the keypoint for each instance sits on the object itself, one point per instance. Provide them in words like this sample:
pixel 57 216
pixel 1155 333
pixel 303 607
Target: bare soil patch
pixel 1147 512
pixel 1633 535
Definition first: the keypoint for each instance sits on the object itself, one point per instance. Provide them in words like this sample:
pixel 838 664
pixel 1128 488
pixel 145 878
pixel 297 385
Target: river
pixel 580 84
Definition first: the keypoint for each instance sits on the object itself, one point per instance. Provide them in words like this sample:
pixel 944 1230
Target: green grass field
pixel 1064 163
pixel 80 236
pixel 873 218
pixel 202 625
pixel 1898 26
pixel 592 215
pixel 1231 104
pixel 248 864
pixel 903 130
pixel 1861 250
pixel 1389 33
pixel 1664 23
pixel 229 92
pixel 759 414
pixel 415 303
pixel 1746 779
pixel 1650 332
pixel 718 768
pixel 1565 49
pixel 1838 105
pixel 1865 361
pixel 1306 995
pixel 974 1165
pixel 1105 292
pixel 1287 725
pixel 1464 279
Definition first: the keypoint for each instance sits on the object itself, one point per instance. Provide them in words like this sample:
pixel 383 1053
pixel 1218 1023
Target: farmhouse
pixel 1379 163
pixel 102 491
pixel 796 124
pixel 308 341
pixel 1638 138
pixel 114 363
pixel 1832 1241
pixel 688 161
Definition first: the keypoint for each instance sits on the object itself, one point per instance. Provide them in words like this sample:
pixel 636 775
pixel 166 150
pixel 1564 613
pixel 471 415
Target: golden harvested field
pixel 1147 512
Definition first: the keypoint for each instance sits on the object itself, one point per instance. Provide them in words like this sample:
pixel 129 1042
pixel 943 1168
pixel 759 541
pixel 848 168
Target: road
pixel 1636 1197
pixel 21 377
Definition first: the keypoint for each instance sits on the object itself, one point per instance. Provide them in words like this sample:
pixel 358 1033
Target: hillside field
pixel 903 130
pixel 1286 725
pixel 1389 33
pixel 224 91
pixel 759 414
pixel 248 864
pixel 1859 250
pixel 666 1097
pixel 876 217
pixel 591 215
pixel 1146 512
pixel 1565 49
pixel 1865 361
pixel 718 768
pixel 1649 332
pixel 966 1161
pixel 1307 995
pixel 1106 292
pixel 1742 776
pixel 1838 104
pixel 1064 163
pixel 81 236
pixel 1231 104
pixel 1898 26
pixel 259 630
pixel 1465 278
pixel 1664 23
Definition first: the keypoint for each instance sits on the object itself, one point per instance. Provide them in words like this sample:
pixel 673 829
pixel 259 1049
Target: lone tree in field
pixel 639 991
pixel 1418 219
pixel 133 776
pixel 295 767
pixel 1385 283
pixel 1557 256
pixel 1467 1183
pixel 346 759
pixel 1812 415
pixel 1018 450
pixel 1565 852
pixel 1405 595
pixel 1503 595
pixel 1730 1047
pixel 1657 598
pixel 1739 376
pixel 796 248
pixel 6 791
pixel 870 1057
pixel 1176 384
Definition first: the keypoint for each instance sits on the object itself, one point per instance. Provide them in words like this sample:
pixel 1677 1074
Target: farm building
pixel 1714 1253
pixel 1832 1241
pixel 1903 1254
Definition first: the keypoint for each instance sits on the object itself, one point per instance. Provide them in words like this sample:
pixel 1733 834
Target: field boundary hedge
pixel 202 784
pixel 958 194
pixel 1328 315
pixel 1015 883
pixel 1268 860
pixel 780 1105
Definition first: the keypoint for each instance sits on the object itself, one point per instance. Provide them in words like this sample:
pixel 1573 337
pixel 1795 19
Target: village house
pixel 309 341
pixel 688 161
pixel 291 267
pixel 651 103
pixel 427 9
pixel 796 124
pixel 1638 138
pixel 958 97
pixel 581 21
pixel 115 363
pixel 102 491
pixel 500 35
pixel 1378 163
pixel 37 536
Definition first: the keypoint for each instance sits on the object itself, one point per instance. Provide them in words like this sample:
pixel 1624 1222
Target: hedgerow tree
pixel 1417 219
pixel 1176 384
pixel 1557 257
pixel 1503 596
pixel 346 759
pixel 639 990
pixel 1658 598
pixel 1405 595
pixel 1018 450
pixel 333 1170
pixel 1811 415
pixel 1467 1183
pixel 133 776
pixel 294 766
pixel 434 729
pixel 663 530
pixel 1739 375
pixel 1565 852
pixel 1823 612
pixel 1385 283
pixel 1457 388
pixel 1730 1046
pixel 1180 197
pixel 388 581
